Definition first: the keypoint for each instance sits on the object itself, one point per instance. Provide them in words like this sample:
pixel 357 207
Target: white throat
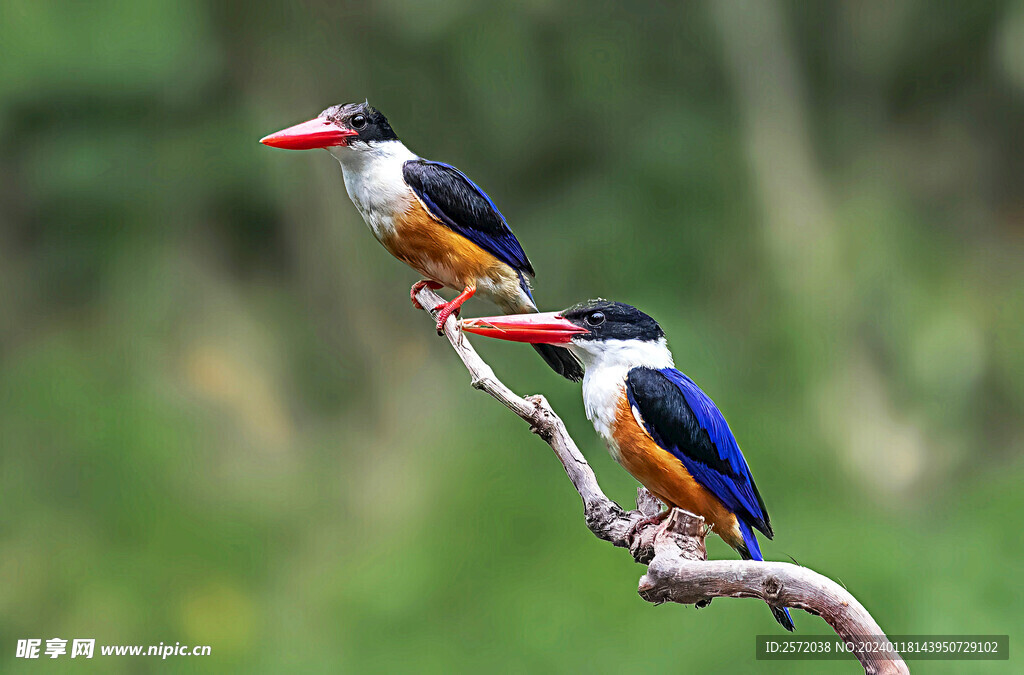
pixel 607 363
pixel 599 355
pixel 374 181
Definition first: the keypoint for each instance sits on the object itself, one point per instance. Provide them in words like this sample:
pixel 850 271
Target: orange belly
pixel 437 252
pixel 665 476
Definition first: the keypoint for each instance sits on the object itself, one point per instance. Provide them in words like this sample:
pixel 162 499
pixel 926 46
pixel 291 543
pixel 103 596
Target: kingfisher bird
pixel 427 214
pixel 658 424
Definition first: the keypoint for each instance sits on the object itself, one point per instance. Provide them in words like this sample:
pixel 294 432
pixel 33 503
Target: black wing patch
pixel 460 204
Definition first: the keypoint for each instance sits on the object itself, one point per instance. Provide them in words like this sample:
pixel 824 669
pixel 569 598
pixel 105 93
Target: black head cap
pixel 364 119
pixel 607 320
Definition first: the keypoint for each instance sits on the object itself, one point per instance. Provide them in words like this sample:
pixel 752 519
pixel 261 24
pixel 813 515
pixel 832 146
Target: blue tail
pixel 751 551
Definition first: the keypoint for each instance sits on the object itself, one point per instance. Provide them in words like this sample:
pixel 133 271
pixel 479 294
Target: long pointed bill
pixel 549 328
pixel 316 133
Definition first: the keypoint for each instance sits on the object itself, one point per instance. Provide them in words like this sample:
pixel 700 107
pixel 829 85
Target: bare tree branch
pixel 678 570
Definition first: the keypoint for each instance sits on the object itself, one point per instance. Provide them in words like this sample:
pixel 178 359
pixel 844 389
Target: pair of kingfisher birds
pixel 658 424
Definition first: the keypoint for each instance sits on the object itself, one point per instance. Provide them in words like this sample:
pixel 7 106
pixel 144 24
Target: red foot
pixel 650 520
pixel 452 307
pixel 419 286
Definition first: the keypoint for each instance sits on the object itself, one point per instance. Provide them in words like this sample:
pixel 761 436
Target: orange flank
pixel 665 476
pixel 438 252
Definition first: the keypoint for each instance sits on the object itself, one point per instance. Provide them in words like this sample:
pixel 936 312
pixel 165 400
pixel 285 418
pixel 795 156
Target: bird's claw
pixel 452 307
pixel 446 310
pixel 634 530
pixel 419 286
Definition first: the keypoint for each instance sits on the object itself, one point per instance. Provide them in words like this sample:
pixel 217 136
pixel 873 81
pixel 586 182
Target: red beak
pixel 316 133
pixel 549 328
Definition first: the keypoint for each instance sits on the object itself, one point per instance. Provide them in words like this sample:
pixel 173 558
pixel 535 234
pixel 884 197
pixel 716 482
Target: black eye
pixel 595 319
pixel 358 121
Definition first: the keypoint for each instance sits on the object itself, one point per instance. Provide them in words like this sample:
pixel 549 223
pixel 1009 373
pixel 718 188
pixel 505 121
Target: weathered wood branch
pixel 677 568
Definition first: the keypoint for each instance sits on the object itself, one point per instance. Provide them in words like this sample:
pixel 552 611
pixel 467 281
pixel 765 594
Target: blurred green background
pixel 222 422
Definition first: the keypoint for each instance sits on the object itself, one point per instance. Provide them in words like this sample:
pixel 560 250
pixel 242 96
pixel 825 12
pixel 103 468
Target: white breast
pixel 375 184
pixel 603 388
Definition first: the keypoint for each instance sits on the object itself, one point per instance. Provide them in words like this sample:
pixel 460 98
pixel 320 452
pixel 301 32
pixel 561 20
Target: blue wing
pixel 457 202
pixel 685 421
